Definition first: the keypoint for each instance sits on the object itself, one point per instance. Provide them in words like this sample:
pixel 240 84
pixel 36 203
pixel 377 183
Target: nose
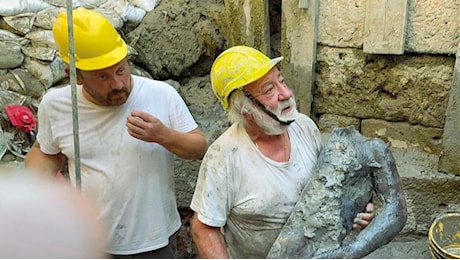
pixel 117 83
pixel 284 92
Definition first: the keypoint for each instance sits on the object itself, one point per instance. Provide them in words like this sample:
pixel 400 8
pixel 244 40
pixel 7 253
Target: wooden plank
pixel 385 26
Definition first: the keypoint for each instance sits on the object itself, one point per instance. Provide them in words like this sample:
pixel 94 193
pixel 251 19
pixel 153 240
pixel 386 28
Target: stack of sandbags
pixel 117 11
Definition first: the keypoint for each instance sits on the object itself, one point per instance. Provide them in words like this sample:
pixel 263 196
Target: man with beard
pixel 252 175
pixel 130 129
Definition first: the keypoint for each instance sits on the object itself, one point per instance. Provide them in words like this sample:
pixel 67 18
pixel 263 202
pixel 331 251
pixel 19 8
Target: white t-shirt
pixel 130 180
pixel 247 193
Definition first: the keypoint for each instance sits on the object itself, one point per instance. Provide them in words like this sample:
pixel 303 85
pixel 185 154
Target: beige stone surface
pixel 413 89
pixel 433 26
pixel 403 135
pixel 344 32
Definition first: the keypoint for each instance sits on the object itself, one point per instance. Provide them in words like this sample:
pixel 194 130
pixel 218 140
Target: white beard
pixel 269 125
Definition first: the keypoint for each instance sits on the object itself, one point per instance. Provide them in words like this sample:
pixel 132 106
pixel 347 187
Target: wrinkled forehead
pixel 263 81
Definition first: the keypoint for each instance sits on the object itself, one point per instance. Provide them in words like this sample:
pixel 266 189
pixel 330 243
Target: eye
pixel 121 70
pixel 281 79
pixel 269 90
pixel 101 77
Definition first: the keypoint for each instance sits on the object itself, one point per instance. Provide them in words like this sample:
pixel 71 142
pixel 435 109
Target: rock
pixel 174 37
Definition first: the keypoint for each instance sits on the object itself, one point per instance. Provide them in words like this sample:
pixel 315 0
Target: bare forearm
pixel 191 145
pixel 208 240
pixel 40 162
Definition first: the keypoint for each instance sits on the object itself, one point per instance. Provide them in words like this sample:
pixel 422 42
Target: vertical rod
pixel 72 74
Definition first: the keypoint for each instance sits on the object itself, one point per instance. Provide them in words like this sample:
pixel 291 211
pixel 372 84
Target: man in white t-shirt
pixel 253 174
pixel 130 128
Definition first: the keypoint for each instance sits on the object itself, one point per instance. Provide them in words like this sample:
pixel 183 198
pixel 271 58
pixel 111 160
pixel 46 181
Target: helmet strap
pixel 264 108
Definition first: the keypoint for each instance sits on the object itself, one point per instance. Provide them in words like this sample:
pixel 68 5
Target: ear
pixel 79 81
pixel 67 71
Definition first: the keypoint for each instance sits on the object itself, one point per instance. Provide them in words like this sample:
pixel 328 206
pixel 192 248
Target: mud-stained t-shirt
pixel 130 180
pixel 247 193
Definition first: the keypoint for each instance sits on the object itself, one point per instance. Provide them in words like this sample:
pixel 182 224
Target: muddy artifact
pixel 351 169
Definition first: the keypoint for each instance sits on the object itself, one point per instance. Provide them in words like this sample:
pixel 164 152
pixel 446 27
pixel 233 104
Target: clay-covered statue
pixel 351 169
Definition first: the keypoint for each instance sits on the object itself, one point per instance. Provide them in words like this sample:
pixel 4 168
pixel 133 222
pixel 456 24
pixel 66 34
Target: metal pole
pixel 73 76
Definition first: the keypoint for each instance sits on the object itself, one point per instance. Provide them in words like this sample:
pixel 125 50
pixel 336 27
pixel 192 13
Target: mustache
pixel 118 91
pixel 285 104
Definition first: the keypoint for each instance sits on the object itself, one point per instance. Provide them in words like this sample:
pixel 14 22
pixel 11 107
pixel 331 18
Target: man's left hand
pixel 363 219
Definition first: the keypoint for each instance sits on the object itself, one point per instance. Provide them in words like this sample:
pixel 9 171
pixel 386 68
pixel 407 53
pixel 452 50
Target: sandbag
pixel 15 7
pixel 147 5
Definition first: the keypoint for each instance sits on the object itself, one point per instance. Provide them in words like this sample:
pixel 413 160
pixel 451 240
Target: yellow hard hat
pixel 235 68
pixel 97 44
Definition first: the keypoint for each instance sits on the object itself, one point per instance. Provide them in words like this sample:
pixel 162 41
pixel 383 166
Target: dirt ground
pixel 403 247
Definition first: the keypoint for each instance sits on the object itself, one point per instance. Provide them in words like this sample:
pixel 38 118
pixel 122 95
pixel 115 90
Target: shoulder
pixel 305 129
pixel 54 95
pixel 56 92
pixel 228 141
pixel 306 122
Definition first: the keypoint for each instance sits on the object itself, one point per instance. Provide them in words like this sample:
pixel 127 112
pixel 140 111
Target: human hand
pixel 363 219
pixel 145 127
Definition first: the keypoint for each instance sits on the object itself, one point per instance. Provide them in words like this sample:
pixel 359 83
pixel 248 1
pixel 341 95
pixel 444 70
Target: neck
pixel 275 147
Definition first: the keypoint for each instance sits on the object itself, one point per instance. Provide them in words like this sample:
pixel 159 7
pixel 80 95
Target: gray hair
pixel 239 105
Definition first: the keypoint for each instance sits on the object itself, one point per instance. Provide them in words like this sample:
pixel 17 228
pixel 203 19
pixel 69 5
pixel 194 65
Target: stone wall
pixel 412 88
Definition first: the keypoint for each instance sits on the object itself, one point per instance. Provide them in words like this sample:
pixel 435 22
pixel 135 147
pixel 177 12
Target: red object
pixel 21 117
